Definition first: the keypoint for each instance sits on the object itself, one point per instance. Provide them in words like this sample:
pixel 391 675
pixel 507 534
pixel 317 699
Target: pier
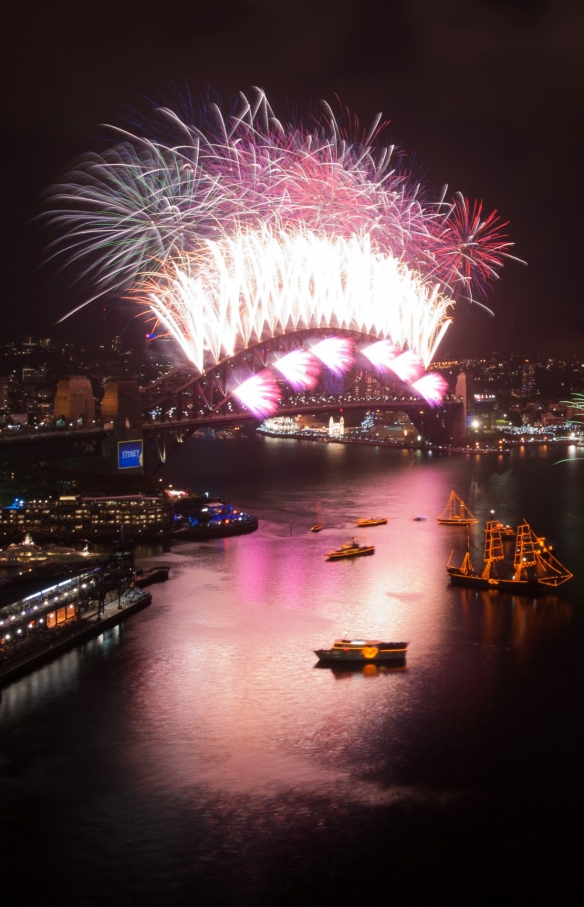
pixel 40 627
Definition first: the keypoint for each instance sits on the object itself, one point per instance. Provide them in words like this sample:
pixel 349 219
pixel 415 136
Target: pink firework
pixel 432 387
pixel 336 353
pixel 380 354
pixel 299 369
pixel 259 394
pixel 407 366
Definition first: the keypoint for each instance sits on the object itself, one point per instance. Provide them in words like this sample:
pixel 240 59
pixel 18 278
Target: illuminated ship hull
pixel 532 586
pixel 371 521
pixel 364 652
pixel 350 551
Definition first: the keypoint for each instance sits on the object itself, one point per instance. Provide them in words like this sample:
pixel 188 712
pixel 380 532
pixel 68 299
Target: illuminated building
pixel 336 429
pixel 79 515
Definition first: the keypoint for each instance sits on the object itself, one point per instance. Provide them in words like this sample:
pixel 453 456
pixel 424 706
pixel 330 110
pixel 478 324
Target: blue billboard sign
pixel 130 454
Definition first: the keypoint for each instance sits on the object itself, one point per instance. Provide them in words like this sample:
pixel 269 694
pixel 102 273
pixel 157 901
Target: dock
pixel 93 623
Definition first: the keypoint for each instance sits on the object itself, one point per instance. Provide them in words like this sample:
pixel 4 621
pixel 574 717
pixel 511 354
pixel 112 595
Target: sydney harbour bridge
pixel 167 412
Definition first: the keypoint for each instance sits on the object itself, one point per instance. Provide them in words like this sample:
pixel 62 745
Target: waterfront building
pixel 87 515
pixel 336 429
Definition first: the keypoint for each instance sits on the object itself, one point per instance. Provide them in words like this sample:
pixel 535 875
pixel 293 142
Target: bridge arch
pixel 185 399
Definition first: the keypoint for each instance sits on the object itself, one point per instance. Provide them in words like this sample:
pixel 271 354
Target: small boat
pixel 456 513
pixel 320 524
pixel 371 521
pixel 350 549
pixel 364 651
pixel 535 568
pixel 420 517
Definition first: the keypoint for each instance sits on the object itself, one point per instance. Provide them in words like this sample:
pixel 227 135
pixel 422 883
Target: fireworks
pixel 432 387
pixel 299 369
pixel 235 229
pixel 259 394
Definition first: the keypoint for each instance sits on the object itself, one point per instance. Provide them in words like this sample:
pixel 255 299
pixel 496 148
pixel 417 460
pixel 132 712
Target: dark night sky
pixel 488 94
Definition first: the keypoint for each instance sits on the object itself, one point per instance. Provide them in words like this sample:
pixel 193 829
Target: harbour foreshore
pixel 92 624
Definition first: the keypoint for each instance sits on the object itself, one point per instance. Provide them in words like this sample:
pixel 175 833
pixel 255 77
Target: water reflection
pixel 519 621
pixel 203 732
pixel 368 670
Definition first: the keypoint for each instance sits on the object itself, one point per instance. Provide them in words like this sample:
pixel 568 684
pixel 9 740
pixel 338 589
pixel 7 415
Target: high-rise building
pixel 528 379
pixel 4 385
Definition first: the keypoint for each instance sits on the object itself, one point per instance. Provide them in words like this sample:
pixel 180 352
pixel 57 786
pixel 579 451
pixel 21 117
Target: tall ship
pixel 456 513
pixel 535 567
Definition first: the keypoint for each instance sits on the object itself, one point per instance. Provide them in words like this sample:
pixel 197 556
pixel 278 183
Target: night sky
pixel 485 95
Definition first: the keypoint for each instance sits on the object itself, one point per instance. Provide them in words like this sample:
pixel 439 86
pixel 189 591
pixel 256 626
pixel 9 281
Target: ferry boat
pixel 27 555
pixel 350 549
pixel 535 568
pixel 363 651
pixel 456 513
pixel 371 521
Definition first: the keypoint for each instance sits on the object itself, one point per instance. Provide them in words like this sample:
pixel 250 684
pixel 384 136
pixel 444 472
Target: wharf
pixel 92 624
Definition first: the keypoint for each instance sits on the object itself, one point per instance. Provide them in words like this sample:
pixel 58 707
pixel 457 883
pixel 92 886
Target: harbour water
pixel 197 754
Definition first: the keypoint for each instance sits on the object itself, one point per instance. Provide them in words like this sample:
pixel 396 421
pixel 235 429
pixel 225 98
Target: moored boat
pixel 371 521
pixel 535 568
pixel 456 513
pixel 353 548
pixel 363 651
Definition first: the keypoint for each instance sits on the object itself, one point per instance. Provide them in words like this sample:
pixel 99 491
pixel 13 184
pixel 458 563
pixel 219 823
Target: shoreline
pixel 510 443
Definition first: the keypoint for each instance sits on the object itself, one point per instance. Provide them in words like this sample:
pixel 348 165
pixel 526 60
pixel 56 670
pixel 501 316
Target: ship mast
pixel 532 552
pixel 493 547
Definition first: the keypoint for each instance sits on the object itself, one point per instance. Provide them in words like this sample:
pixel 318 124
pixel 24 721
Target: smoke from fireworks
pixel 233 229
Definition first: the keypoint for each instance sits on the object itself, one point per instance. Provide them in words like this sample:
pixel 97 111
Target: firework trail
pixel 233 228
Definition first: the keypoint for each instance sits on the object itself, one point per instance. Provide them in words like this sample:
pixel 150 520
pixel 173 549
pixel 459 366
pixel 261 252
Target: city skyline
pixel 490 136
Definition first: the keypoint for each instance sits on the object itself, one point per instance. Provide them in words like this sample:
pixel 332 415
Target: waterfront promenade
pixel 94 622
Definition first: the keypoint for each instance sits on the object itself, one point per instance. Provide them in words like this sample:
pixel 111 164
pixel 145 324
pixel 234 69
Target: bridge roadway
pixel 162 438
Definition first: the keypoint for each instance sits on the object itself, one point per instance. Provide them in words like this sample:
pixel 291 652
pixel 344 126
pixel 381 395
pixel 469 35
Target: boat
pixel 350 549
pixel 371 521
pixel 363 651
pixel 320 524
pixel 29 556
pixel 143 578
pixel 456 513
pixel 535 567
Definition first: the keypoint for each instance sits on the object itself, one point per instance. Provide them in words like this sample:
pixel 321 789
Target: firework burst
pixel 232 229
